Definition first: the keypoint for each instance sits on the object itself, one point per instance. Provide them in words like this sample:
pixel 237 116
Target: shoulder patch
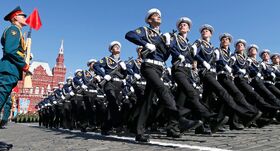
pixel 13 32
pixel 101 61
pixel 138 31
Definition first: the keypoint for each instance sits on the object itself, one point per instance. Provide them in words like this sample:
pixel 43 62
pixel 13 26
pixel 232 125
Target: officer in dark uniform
pixel 58 105
pixel 182 74
pixel 113 85
pixel 268 73
pixel 67 91
pixel 207 57
pixel 254 71
pixel 151 68
pixel 276 66
pixel 78 101
pixel 224 71
pixel 13 61
pixel 241 80
pixel 139 83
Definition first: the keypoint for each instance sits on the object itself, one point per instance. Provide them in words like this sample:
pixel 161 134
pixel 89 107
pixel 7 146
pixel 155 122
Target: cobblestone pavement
pixel 26 137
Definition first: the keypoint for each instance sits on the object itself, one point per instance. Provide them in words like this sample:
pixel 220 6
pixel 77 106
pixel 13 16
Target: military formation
pixel 205 88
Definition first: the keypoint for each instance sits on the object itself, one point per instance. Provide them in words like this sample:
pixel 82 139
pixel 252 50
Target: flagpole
pixel 27 79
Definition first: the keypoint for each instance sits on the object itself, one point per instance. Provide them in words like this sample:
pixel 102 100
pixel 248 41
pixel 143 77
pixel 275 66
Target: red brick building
pixel 44 80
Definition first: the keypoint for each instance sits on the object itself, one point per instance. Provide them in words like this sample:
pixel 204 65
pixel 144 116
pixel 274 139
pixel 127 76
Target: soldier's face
pixel 240 47
pixel 225 41
pixel 155 19
pixel 116 49
pixel 184 28
pixel 276 60
pixel 60 86
pixel 265 56
pixel 21 19
pixel 253 52
pixel 205 33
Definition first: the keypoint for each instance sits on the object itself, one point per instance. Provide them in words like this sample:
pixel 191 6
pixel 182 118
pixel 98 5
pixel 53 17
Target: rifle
pixel 102 83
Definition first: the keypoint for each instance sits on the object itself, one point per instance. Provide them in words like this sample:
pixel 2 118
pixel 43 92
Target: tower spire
pixel 61 49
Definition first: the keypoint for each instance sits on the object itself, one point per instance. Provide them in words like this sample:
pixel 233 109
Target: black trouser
pixel 181 76
pixel 139 90
pixel 90 103
pixel 153 73
pixel 260 88
pixel 58 115
pixel 113 116
pixel 238 97
pixel 277 84
pixel 67 115
pixel 273 89
pixel 210 84
pixel 236 94
pixel 253 97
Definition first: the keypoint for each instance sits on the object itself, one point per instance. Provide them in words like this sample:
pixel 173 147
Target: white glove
pixel 151 47
pixel 259 75
pixel 273 75
pixel 263 65
pixel 243 71
pixel 206 65
pixel 54 102
pixel 131 89
pixel 84 87
pixel 126 97
pixel 233 58
pixel 137 76
pixel 72 93
pixel 63 97
pixel 98 78
pixel 217 54
pixel 182 58
pixel 228 68
pixel 167 38
pixel 107 77
pixel 123 65
pixel 194 49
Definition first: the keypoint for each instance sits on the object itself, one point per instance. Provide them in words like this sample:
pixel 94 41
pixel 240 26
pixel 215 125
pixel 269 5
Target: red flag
pixel 34 20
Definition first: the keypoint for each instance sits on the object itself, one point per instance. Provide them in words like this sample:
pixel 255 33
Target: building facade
pixel 44 80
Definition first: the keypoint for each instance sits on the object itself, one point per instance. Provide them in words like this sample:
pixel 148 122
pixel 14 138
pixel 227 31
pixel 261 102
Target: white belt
pixel 116 79
pixel 79 95
pixel 167 84
pixel 222 72
pixel 141 82
pixel 92 91
pixel 212 70
pixel 187 65
pixel 159 63
pixel 269 82
pixel 277 82
pixel 100 96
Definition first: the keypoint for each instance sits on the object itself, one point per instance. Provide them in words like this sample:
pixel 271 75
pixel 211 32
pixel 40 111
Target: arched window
pixel 37 90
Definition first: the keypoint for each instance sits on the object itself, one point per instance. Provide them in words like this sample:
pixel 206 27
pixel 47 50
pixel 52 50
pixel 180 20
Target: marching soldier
pixel 254 71
pixel 113 85
pixel 151 68
pixel 276 66
pixel 13 61
pixel 207 57
pixel 224 71
pixel 182 60
pixel 67 107
pixel 241 78
pixel 58 105
pixel 268 73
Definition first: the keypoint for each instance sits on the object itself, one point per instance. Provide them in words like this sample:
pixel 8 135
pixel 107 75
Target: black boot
pixel 186 124
pixel 216 123
pixel 254 118
pixel 203 130
pixel 142 138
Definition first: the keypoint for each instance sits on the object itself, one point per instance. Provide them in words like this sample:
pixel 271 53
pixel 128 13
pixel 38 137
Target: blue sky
pixel 87 27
